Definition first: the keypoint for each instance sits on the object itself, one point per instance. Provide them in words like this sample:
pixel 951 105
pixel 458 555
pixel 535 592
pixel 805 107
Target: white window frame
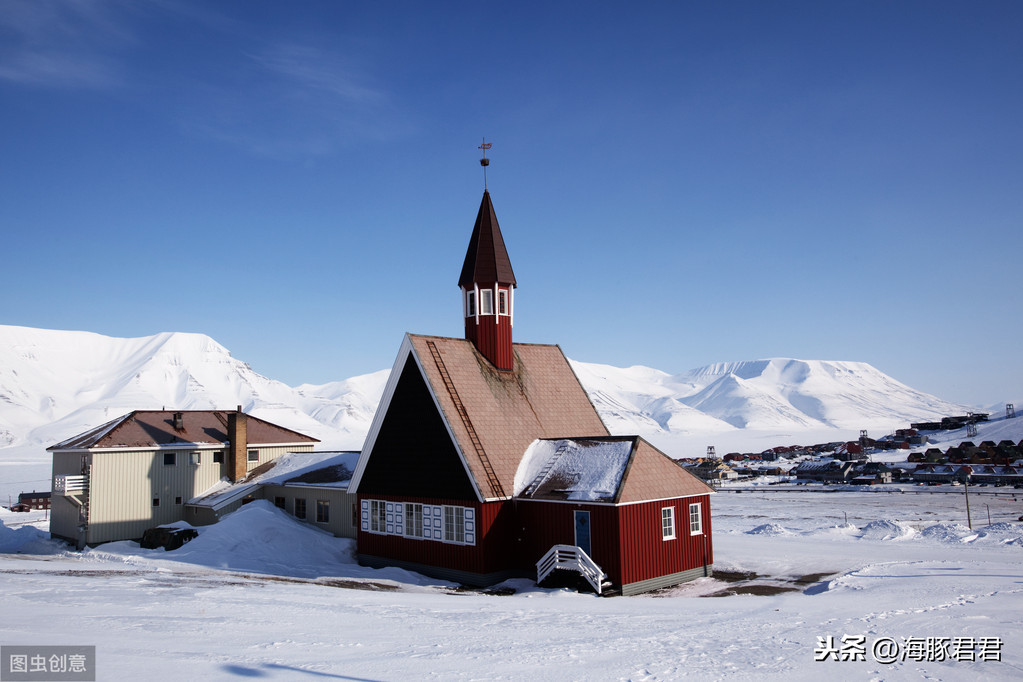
pixel 486 301
pixel 195 458
pixel 695 519
pixel 667 523
pixel 413 520
pixel 377 516
pixel 502 303
pixel 454 525
pixel 470 303
pixel 419 521
pixel 252 455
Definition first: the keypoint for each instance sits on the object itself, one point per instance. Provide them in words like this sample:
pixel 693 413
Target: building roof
pixel 617 469
pixel 486 259
pixel 494 418
pixel 504 411
pixel 155 428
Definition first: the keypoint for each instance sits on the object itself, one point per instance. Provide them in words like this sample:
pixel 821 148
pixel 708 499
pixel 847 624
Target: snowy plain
pixel 263 596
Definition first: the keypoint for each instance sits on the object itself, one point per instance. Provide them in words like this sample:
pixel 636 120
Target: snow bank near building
pixel 261 539
pixel 27 540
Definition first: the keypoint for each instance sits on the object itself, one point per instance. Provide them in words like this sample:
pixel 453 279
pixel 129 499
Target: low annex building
pixel 138 471
pixel 486 460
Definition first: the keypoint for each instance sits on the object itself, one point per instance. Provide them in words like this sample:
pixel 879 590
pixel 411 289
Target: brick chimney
pixel 237 436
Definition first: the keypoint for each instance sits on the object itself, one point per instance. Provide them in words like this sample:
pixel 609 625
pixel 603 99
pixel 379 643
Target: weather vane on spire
pixel 485 161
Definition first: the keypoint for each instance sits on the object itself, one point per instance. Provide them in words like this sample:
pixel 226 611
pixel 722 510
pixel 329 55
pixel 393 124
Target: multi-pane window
pixel 695 523
pixel 454 524
pixel 322 511
pixel 667 523
pixel 253 455
pixel 486 302
pixel 502 302
pixel 378 516
pixel 413 520
pixel 419 521
pixel 299 508
pixel 279 502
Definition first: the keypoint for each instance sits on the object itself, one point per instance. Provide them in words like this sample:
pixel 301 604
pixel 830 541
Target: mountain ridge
pixel 54 384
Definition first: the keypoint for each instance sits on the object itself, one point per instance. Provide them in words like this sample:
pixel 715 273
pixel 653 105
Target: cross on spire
pixel 485 161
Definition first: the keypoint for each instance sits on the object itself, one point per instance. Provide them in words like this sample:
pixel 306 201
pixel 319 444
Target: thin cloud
pixel 309 68
pixel 52 43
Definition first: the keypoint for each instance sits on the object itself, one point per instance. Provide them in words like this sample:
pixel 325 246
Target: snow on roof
pixel 323 469
pixel 585 469
pixel 314 469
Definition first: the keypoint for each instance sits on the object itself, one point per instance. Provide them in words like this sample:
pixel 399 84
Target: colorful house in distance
pixel 138 471
pixel 486 460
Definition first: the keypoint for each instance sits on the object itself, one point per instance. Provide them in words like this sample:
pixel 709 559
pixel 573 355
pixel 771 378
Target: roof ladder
pixel 564 447
pixel 495 483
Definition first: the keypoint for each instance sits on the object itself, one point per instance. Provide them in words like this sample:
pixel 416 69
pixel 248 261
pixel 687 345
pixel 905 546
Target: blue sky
pixel 677 183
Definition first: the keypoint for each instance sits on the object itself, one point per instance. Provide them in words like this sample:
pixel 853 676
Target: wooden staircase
pixel 571 558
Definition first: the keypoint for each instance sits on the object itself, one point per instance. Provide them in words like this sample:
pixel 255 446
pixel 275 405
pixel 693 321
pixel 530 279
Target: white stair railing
pixel 570 558
pixel 67 485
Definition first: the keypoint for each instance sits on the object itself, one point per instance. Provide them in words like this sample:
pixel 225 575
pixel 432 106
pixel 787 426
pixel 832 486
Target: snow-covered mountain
pixel 54 384
pixel 738 404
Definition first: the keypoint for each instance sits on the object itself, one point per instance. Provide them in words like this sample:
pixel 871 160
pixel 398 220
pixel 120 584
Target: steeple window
pixel 470 304
pixel 486 302
pixel 502 301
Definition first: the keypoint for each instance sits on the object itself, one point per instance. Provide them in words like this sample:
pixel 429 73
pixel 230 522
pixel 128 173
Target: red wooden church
pixel 486 460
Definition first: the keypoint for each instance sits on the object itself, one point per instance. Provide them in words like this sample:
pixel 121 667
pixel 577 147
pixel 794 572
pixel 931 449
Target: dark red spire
pixel 486 260
pixel 488 283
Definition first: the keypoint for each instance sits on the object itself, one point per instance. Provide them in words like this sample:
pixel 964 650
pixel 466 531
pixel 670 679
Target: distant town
pixel 987 463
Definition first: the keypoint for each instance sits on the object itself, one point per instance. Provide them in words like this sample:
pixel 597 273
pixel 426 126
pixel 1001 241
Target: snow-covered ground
pixel 261 595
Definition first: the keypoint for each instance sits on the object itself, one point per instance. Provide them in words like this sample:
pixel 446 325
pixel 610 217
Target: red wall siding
pixel 490 553
pixel 541 525
pixel 626 541
pixel 492 338
pixel 645 554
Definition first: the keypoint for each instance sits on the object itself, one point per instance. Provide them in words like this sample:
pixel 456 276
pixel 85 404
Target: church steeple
pixel 487 283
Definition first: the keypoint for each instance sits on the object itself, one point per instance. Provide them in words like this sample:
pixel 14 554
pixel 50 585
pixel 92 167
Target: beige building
pixel 139 470
pixel 311 486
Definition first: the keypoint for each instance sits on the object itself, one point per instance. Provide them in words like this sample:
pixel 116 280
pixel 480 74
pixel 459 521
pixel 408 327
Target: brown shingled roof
pixel 155 428
pixel 627 469
pixel 507 410
pixel 486 260
pixel 652 475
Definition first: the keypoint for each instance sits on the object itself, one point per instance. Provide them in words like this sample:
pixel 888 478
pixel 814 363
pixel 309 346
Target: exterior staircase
pixel 571 558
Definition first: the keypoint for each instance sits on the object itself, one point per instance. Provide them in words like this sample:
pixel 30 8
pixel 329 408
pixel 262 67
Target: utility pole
pixel 966 487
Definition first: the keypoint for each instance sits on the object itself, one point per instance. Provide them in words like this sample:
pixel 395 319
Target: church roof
pixel 506 425
pixel 492 415
pixel 486 260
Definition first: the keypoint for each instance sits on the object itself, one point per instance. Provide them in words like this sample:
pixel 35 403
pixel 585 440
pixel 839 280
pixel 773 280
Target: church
pixel 486 460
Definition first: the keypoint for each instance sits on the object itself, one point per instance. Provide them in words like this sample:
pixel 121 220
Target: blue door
pixel 582 531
